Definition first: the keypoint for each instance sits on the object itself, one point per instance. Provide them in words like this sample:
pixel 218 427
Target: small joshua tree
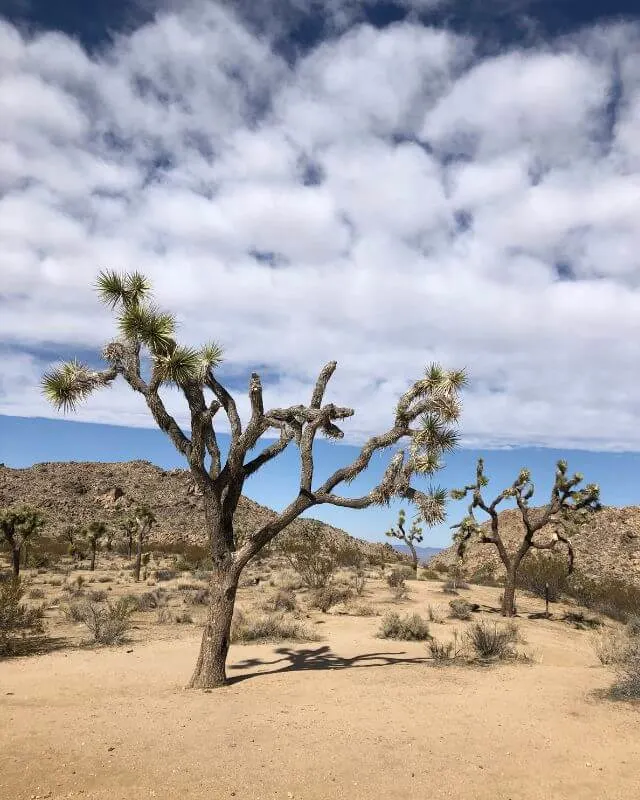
pixel 144 519
pixel 75 536
pixel 147 356
pixel 95 535
pixel 565 511
pixel 17 526
pixel 414 534
pixel 129 529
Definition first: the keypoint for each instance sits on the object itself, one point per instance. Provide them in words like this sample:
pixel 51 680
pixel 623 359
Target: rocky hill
pixel 607 546
pixel 78 493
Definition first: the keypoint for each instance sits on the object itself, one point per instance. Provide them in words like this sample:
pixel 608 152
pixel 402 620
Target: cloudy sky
pixel 384 184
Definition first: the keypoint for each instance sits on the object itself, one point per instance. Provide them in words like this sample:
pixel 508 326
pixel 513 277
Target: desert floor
pixel 350 716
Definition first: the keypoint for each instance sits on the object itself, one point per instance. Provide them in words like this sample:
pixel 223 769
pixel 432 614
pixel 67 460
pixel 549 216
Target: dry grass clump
pixel 435 614
pixel 612 646
pixel 166 616
pixel 360 608
pixel 281 600
pixel 276 627
pixel 627 683
pixel 35 594
pixel 412 628
pixel 17 621
pixel 460 609
pixel 446 652
pixel 491 642
pixel 396 581
pixel 329 596
pixel 107 624
pixel 286 579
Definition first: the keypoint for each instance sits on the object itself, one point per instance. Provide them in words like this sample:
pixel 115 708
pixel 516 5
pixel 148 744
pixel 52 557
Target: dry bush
pixel 612 597
pixel 282 600
pixel 269 628
pixel 199 597
pixel 35 594
pixel 412 628
pixel 359 608
pixel 286 579
pixel 359 582
pixel 429 575
pixel 612 646
pixel 165 574
pixel 17 621
pixel 188 586
pixel 460 609
pixel 541 570
pixel 446 652
pixel 98 596
pixel 627 683
pixel 164 616
pixel 107 625
pixel 182 618
pixel 396 581
pixel 485 575
pixel 492 642
pixel 435 614
pixel 633 626
pixel 581 621
pixel 329 596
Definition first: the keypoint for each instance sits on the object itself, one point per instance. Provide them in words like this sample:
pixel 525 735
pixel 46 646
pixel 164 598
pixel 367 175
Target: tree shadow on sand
pixel 319 658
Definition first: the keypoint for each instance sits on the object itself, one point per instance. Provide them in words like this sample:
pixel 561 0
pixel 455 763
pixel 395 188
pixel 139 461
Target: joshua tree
pixel 95 533
pixel 147 356
pixel 129 528
pixel 75 536
pixel 144 519
pixel 414 534
pixel 566 509
pixel 17 525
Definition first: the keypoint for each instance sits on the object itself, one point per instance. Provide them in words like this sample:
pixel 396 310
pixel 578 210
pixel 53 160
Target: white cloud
pixel 448 190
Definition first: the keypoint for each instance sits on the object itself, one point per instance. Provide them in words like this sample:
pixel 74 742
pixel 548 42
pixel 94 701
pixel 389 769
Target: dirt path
pixel 316 722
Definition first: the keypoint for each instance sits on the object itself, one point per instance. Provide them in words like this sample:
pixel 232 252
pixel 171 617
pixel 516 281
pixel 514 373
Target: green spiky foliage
pixel 96 533
pixel 409 537
pixel 148 356
pixel 17 526
pixel 568 509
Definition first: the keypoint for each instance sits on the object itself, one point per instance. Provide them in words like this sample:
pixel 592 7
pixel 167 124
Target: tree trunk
pixel 130 545
pixel 509 596
pixel 93 561
pixel 15 558
pixel 414 558
pixel 136 570
pixel 25 560
pixel 210 671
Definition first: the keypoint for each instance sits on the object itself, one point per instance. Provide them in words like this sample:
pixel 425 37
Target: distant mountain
pixel 424 553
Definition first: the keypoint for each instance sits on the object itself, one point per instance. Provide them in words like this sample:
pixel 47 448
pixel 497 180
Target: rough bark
pixel 509 595
pixel 15 559
pixel 138 564
pixel 92 566
pixel 414 556
pixel 210 671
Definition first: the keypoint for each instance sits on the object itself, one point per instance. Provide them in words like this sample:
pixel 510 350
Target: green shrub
pixel 612 597
pixel 460 609
pixel 17 621
pixel 107 625
pixel 412 628
pixel 539 570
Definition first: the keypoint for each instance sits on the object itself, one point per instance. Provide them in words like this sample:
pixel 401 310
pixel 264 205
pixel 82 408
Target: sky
pixel 383 184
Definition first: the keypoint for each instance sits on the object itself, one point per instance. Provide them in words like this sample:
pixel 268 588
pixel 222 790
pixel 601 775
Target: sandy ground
pixel 351 716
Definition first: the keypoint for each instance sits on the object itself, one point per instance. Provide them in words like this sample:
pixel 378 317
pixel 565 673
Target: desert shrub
pixel 314 555
pixel 612 646
pixel 627 683
pixel 359 582
pixel 35 594
pixel 164 616
pixel 147 601
pixel 189 556
pixel 104 579
pixel 188 586
pixel 359 608
pixel 73 612
pixel 201 574
pixel 611 597
pixel 407 572
pixel 633 625
pixel 429 575
pixel 396 582
pixel 446 652
pixel 490 641
pixel 485 575
pixel 287 579
pixel 440 568
pixel 329 596
pixel 412 628
pixel 165 574
pixel 98 596
pixel 17 621
pixel 107 624
pixel 460 609
pixel 198 597
pixel 435 615
pixel 539 570
pixel 182 618
pixel 269 627
pixel 282 600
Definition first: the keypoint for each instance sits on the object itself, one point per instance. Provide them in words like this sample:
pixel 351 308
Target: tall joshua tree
pixel 567 508
pixel 414 534
pixel 144 519
pixel 95 533
pixel 17 526
pixel 147 357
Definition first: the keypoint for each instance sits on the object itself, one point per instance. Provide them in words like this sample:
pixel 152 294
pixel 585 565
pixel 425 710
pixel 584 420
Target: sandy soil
pixel 351 716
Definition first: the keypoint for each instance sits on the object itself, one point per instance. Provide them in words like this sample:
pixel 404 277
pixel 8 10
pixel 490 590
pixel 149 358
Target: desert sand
pixel 350 716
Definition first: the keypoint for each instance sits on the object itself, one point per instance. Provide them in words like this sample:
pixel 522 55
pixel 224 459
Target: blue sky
pixel 384 184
